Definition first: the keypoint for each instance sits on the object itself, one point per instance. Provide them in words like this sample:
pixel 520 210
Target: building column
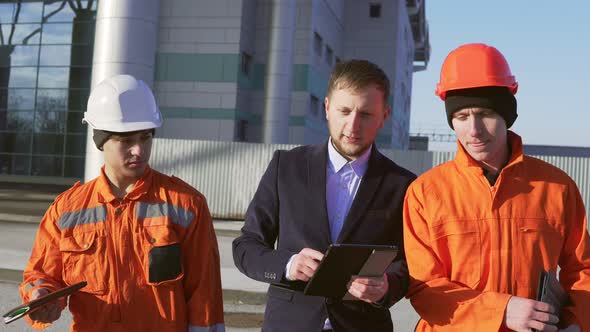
pixel 279 72
pixel 125 43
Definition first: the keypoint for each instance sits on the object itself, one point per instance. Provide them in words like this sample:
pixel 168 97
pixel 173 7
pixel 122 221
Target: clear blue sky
pixel 546 43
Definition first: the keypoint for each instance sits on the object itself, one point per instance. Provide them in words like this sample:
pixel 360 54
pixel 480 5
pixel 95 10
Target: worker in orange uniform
pixel 142 240
pixel 479 229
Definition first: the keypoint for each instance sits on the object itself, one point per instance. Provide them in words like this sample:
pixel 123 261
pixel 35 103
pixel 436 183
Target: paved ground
pixel 9 296
pixel 404 317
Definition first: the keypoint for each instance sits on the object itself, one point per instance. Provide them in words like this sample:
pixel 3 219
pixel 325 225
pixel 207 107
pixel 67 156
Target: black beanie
pixel 497 98
pixel 101 136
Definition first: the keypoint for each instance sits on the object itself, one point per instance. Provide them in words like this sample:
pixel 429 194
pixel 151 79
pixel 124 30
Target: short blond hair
pixel 358 74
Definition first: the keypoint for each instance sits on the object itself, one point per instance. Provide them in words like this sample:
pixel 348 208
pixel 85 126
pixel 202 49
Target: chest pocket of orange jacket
pixel 164 255
pixel 458 246
pixel 539 242
pixel 83 259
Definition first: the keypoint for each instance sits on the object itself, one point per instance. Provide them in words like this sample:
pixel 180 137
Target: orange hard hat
pixel 474 66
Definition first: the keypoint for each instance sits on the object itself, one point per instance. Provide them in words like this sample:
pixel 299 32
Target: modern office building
pixel 230 70
pixel 46 50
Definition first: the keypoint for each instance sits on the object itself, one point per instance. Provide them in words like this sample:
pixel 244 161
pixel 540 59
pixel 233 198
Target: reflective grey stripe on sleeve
pixel 81 217
pixel 215 328
pixel 177 214
pixel 33 284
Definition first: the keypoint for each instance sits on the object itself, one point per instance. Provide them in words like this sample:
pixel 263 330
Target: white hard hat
pixel 122 104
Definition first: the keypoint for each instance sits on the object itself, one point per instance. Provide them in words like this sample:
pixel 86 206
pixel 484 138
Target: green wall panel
pixel 197 67
pixel 297 121
pixel 229 114
pixel 199 113
pixel 300 77
pixel 209 113
pixel 226 68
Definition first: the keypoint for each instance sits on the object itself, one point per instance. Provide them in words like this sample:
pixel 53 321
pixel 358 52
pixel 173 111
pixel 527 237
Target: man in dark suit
pixel 341 191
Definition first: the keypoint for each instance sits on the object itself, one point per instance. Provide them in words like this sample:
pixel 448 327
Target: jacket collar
pixel 141 188
pixel 464 159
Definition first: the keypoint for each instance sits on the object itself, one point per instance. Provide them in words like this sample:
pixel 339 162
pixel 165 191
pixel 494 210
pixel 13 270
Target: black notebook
pixel 31 306
pixel 342 261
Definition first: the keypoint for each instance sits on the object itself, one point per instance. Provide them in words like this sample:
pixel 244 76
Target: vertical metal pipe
pixel 125 43
pixel 279 73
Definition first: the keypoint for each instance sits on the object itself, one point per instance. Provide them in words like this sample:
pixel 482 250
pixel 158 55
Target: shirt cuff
pixel 287 276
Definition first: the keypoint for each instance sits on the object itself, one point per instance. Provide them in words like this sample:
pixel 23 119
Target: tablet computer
pixel 549 290
pixel 342 261
pixel 31 306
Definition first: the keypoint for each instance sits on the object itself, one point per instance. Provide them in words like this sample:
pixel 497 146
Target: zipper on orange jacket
pixel 116 311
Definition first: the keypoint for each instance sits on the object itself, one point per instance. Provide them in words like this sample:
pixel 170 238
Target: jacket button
pixel 118 211
pixel 85 245
pixel 152 240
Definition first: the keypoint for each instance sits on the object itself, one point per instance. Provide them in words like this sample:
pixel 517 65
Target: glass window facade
pixel 46 52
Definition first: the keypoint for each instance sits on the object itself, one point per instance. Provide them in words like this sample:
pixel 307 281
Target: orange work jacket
pixel 150 259
pixel 471 246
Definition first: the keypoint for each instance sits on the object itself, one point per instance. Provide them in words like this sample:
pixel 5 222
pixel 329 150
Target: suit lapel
pixel 316 185
pixel 367 189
